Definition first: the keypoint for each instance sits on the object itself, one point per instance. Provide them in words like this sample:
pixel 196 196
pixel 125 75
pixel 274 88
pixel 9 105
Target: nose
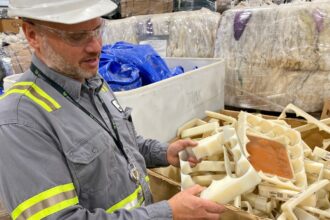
pixel 94 45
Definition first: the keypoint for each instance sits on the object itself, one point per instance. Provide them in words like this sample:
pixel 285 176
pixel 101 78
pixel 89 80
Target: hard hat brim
pixel 72 15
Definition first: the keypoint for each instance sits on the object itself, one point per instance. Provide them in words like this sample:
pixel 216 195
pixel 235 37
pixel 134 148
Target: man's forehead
pixel 86 25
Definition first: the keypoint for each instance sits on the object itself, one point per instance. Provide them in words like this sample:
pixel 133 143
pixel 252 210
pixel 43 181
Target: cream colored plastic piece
pixel 206 180
pixel 249 124
pixel 314 170
pixel 289 205
pixel 190 124
pixel 307 149
pixel 320 213
pixel 208 146
pixel 303 215
pixel 321 153
pixel 213 120
pixel 260 203
pixel 308 127
pixel 323 199
pixel 310 119
pixel 246 205
pixel 274 192
pixel 204 166
pixel 225 190
pixel 186 181
pixel 199 130
pixel 326 143
pixel 222 117
pixel 285 184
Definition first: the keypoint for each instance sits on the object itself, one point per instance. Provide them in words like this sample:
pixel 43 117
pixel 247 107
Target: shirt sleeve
pixel 154 152
pixel 36 183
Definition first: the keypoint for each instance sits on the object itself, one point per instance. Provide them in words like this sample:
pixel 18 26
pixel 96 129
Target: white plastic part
pixel 206 180
pixel 308 127
pixel 204 166
pixel 190 124
pixel 208 146
pixel 199 130
pixel 259 202
pixel 269 191
pixel 321 153
pixel 60 11
pixel 310 119
pixel 225 190
pixel 303 215
pixel 323 199
pixel 222 117
pixel 318 212
pixel 252 125
pixel 314 170
pixel 289 205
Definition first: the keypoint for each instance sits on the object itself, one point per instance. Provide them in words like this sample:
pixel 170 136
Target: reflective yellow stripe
pixel 35 93
pixel 53 209
pixel 40 92
pixel 104 88
pixel 129 199
pixel 40 197
pixel 138 205
pixel 125 201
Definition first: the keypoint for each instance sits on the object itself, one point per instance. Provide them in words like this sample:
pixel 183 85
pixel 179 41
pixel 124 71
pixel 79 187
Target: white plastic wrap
pixel 278 54
pixel 188 34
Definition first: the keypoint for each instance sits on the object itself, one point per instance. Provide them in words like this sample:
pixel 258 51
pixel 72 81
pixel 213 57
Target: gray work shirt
pixel 43 147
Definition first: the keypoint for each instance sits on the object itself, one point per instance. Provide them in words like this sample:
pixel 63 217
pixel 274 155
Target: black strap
pixel 36 71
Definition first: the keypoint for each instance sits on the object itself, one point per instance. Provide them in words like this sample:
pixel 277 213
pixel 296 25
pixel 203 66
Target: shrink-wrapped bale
pixel 15 55
pixel 276 55
pixel 188 34
pixel 191 5
pixel 144 7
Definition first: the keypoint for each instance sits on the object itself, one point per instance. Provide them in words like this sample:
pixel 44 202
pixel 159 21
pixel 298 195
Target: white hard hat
pixel 60 11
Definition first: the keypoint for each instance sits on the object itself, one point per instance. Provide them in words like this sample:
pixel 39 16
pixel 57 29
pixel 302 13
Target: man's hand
pixel 186 206
pixel 174 149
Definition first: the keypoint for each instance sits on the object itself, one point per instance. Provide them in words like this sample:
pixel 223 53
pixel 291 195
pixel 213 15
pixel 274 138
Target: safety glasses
pixel 75 38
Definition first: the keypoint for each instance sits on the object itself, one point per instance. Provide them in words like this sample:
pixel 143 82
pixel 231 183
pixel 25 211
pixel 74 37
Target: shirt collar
pixel 71 86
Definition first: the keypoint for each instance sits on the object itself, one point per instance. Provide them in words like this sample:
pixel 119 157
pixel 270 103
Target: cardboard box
pixel 165 182
pixel 144 7
pixel 10 25
pixel 160 108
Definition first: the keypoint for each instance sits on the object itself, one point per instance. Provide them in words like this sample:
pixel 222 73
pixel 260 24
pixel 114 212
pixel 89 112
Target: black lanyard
pixel 36 71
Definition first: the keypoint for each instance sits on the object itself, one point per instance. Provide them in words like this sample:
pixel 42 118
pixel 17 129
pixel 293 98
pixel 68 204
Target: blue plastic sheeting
pixel 127 66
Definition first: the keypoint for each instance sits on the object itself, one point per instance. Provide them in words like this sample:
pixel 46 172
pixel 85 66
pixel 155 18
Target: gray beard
pixel 56 62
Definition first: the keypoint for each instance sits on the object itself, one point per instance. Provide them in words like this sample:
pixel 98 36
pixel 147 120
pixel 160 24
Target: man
pixel 68 150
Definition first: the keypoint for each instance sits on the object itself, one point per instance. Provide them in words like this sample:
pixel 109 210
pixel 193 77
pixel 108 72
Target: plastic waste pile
pixel 260 165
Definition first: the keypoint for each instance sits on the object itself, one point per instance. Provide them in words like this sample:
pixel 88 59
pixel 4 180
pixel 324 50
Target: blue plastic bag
pixel 133 60
pixel 119 76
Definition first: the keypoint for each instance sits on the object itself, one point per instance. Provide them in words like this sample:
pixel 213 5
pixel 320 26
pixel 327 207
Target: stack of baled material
pixel 276 55
pixel 145 7
pixel 187 34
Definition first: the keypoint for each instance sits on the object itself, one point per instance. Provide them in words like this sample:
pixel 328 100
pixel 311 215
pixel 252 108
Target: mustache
pixel 91 56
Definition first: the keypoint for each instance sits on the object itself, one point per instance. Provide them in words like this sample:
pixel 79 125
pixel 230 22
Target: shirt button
pixel 94 150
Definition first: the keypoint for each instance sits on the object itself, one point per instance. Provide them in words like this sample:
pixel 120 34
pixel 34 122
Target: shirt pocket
pixel 92 161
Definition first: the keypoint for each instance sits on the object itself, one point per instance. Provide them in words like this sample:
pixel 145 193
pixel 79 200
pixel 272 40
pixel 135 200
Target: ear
pixel 32 36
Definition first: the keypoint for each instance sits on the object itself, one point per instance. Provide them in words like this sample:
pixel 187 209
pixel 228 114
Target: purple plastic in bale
pixel 318 16
pixel 240 21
